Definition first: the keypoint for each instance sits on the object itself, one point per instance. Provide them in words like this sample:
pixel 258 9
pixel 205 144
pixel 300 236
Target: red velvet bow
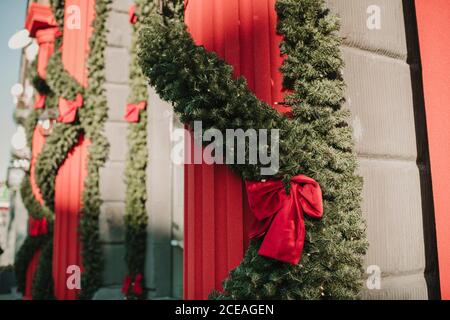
pixel 280 216
pixel 40 102
pixel 37 227
pixel 68 109
pixel 132 14
pixel 132 112
pixel 136 285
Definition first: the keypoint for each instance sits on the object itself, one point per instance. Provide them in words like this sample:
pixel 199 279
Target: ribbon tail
pixel 137 288
pixel 286 236
pixel 126 285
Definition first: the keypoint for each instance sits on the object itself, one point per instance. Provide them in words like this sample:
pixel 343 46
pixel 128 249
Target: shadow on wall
pixel 423 158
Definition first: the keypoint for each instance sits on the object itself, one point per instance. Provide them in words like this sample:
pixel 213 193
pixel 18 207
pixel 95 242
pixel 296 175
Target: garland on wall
pixel 136 164
pixel 316 142
pixel 88 122
pixel 42 285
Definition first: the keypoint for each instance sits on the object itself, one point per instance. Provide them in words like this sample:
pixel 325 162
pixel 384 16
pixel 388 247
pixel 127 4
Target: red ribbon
pixel 137 288
pixel 68 109
pixel 136 285
pixel 133 110
pixel 40 102
pixel 37 227
pixel 132 14
pixel 281 216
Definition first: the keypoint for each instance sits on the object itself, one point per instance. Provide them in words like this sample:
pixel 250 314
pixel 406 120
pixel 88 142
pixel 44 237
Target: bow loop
pixel 37 227
pixel 126 285
pixel 40 102
pixel 133 110
pixel 132 17
pixel 279 216
pixel 68 109
pixel 310 195
pixel 136 286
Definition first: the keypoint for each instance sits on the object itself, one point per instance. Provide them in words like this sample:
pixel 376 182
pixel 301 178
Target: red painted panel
pixel 69 185
pixel 36 148
pixel 242 32
pixel 433 20
pixel 70 179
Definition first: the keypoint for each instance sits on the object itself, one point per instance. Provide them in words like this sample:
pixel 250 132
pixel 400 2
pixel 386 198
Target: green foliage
pixel 63 138
pixel 42 288
pixel 92 117
pixel 60 81
pixel 34 208
pixel 317 142
pixel 23 258
pixel 135 172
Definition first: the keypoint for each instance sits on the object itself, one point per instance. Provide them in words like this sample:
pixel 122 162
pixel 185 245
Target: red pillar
pixel 69 183
pixel 41 25
pixel 242 32
pixel 433 20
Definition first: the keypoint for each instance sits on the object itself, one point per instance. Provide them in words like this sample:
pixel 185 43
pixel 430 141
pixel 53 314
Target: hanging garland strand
pixel 92 118
pixel 135 172
pixel 317 143
pixel 89 122
pixel 34 243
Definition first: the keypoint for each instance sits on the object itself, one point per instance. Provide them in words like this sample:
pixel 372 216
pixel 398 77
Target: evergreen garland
pixel 23 258
pixel 136 164
pixel 92 118
pixel 317 142
pixel 42 287
pixel 63 84
pixel 35 210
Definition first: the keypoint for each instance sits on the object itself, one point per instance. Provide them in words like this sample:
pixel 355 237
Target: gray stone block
pixel 112 186
pixel 393 212
pixel 117 95
pixel 390 40
pixel 403 287
pixel 379 95
pixel 116 133
pixel 115 269
pixel 121 5
pixel 119 29
pixel 116 62
pixel 109 293
pixel 111 221
pixel 158 270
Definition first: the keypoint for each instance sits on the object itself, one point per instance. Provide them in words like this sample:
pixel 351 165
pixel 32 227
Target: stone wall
pixel 387 131
pixel 112 184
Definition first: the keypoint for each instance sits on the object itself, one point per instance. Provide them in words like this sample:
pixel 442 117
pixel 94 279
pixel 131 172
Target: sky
pixel 12 19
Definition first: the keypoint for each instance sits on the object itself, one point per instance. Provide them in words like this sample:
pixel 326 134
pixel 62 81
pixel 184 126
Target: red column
pixel 69 183
pixel 242 33
pixel 41 25
pixel 433 20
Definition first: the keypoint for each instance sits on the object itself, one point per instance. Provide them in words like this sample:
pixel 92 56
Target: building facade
pixel 397 78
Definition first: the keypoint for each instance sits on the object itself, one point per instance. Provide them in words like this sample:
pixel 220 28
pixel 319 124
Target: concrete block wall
pixel 112 186
pixel 380 96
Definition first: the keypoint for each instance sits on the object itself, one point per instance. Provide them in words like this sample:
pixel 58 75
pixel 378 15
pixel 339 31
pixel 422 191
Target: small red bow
pixel 37 227
pixel 280 216
pixel 68 109
pixel 133 110
pixel 132 14
pixel 40 102
pixel 136 285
